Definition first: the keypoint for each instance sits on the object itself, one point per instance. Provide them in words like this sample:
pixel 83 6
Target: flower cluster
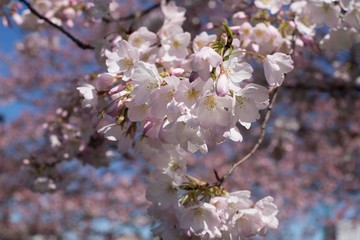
pixel 59 12
pixel 342 18
pixel 172 96
pixel 191 209
pixel 192 98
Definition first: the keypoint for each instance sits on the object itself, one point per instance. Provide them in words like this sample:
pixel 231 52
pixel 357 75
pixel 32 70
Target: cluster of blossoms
pixel 156 83
pixel 172 96
pixel 59 12
pixel 187 208
pixel 63 12
pixel 342 18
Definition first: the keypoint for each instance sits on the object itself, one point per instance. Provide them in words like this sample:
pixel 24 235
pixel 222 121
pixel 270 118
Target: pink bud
pixel 115 108
pixel 222 85
pixel 177 72
pixel 117 88
pixel 103 81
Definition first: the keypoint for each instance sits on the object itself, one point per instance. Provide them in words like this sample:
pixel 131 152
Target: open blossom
pixel 235 72
pixel 275 66
pixel 202 40
pixel 260 33
pixel 123 60
pixel 211 110
pixel 273 5
pixel 268 211
pixel 204 60
pixel 201 220
pixel 174 15
pixel 89 94
pixel 142 39
pixel 324 12
pixel 161 97
pixel 162 191
pixel 175 46
pixel 146 79
pixel 189 92
pixel 247 103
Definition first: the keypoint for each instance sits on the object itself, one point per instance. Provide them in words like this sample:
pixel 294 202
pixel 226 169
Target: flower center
pixel 192 94
pixel 210 102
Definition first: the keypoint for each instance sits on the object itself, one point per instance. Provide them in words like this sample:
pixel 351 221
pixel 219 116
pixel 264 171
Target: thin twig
pixel 260 140
pixel 61 29
pixel 140 13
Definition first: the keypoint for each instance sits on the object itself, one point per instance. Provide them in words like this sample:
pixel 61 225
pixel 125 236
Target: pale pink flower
pixel 146 79
pixel 123 60
pixel 273 5
pixel 161 97
pixel 204 60
pixel 211 110
pixel 175 46
pixel 260 33
pixel 89 94
pixel 202 40
pixel 201 220
pixel 268 211
pixel 324 12
pixel 142 39
pixel 188 93
pixel 247 103
pixel 173 14
pixel 161 191
pixel 275 66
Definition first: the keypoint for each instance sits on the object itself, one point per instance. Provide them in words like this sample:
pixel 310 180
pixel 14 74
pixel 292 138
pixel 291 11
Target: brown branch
pixel 260 140
pixel 140 14
pixel 61 29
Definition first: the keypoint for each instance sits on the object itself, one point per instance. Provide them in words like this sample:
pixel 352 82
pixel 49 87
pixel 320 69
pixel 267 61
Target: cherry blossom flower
pixel 142 39
pixel 275 66
pixel 90 95
pixel 201 220
pixel 273 5
pixel 324 12
pixel 202 40
pixel 123 60
pixel 146 79
pixel 204 60
pixel 211 110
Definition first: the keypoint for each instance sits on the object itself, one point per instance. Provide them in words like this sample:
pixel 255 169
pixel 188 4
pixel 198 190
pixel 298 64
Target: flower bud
pixel 103 81
pixel 177 72
pixel 222 85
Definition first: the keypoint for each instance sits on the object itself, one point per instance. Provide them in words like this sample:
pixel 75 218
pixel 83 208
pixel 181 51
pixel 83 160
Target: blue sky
pixel 8 38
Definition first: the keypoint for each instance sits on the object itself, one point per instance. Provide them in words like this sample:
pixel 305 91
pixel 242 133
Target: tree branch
pixel 140 13
pixel 260 140
pixel 61 29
